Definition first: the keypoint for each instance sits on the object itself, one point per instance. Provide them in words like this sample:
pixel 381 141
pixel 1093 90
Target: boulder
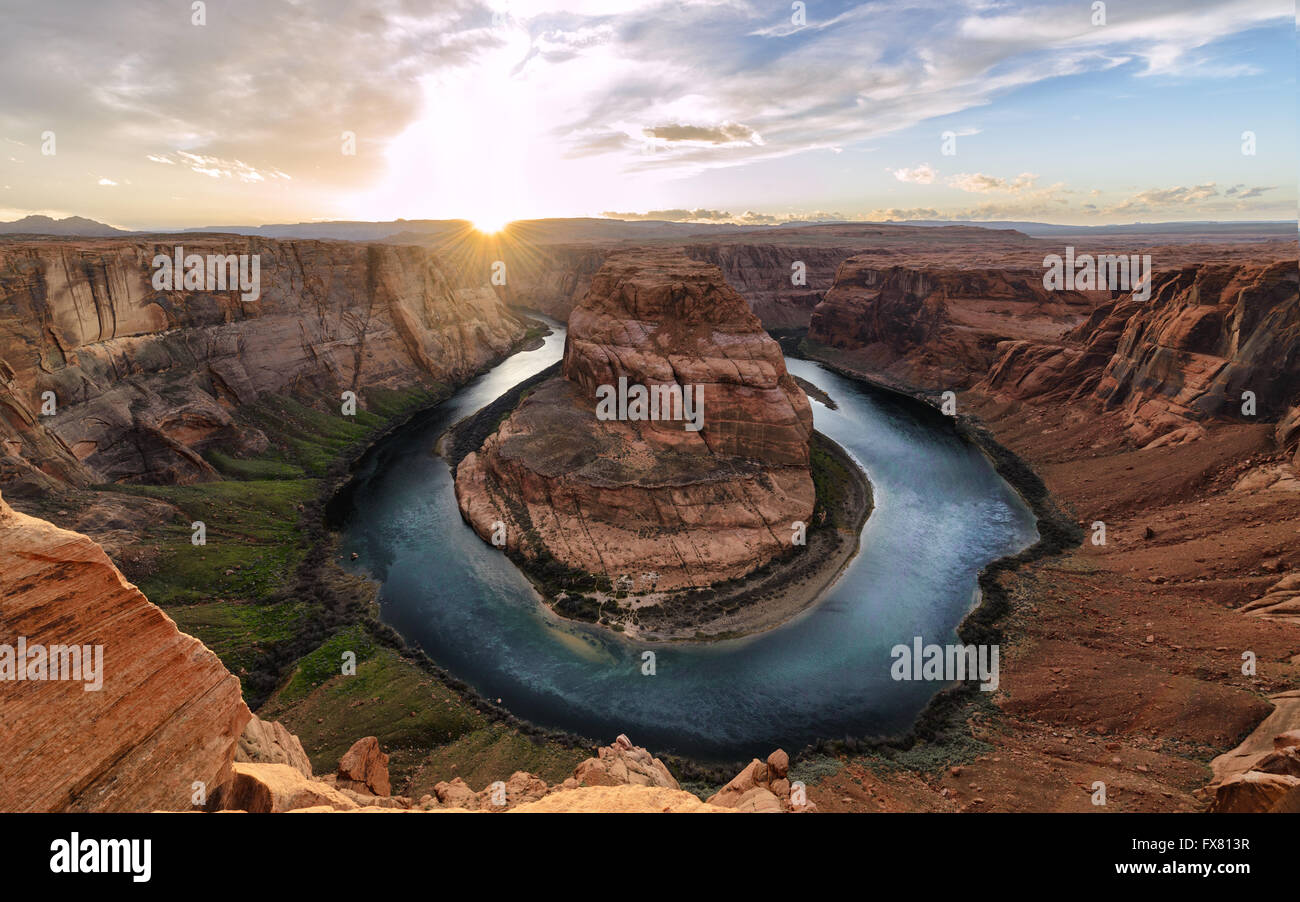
pixel 273 788
pixel 456 794
pixel 364 768
pixel 1253 791
pixel 269 742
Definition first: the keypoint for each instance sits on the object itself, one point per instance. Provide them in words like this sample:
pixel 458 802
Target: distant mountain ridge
pixel 578 230
pixel 47 225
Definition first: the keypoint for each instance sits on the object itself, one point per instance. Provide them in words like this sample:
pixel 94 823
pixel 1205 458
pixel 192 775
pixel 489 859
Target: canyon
pixel 1122 661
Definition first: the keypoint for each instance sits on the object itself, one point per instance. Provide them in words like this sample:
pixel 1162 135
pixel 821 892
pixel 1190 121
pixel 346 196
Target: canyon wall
pixel 939 324
pixel 651 502
pixel 144 378
pixel 164 717
pixel 554 279
pixel 1207 335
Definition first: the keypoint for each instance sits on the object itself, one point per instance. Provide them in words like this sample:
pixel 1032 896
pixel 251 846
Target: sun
pixel 489 225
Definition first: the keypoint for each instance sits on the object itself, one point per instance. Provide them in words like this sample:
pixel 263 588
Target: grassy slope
pixel 240 593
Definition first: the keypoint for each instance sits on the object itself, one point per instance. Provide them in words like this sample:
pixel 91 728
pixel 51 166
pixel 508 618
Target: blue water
pixel 941 513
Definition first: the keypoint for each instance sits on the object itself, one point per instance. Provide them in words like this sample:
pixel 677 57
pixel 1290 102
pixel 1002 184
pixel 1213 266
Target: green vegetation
pixel 253 540
pixel 241 632
pixel 430 731
pixel 326 662
pixel 811 769
pixel 833 482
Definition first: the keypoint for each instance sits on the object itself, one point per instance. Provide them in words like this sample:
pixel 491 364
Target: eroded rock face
pixel 167 714
pixel 1253 791
pixel 937 324
pixel 651 502
pixel 144 379
pixel 1207 335
pixel 555 279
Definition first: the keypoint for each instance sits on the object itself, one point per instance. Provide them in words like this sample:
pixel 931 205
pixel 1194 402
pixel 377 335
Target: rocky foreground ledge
pixel 651 505
pixel 275 776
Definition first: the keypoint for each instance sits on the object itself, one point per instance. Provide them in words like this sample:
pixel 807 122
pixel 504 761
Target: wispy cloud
pixel 924 174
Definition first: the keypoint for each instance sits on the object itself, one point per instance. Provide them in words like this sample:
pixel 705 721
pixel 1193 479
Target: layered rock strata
pixel 1213 342
pixel 932 323
pixel 155 715
pixel 650 504
pixel 143 379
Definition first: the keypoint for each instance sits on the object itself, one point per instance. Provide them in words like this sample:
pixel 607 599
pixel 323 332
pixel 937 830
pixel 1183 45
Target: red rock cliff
pixel 144 378
pixel 651 501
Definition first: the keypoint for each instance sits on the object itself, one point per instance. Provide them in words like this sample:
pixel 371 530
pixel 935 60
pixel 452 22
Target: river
pixel 941 513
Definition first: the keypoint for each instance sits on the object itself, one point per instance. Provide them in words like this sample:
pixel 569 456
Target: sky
pixel 171 113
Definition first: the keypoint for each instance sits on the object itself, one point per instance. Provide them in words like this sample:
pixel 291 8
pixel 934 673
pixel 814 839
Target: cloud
pixel 1241 192
pixel 216 167
pixel 920 175
pixel 726 133
pixel 979 183
pixel 1162 198
pixel 265 90
pixel 673 215
pixel 107 183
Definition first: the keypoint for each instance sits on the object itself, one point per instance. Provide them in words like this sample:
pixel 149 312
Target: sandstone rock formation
pixel 275 788
pixel 1209 332
pixel 553 277
pixel 925 324
pixel 1263 772
pixel 166 715
pixel 623 764
pixel 145 379
pixel 364 768
pixel 649 504
pixel 621 778
pixel 264 742
pixel 1207 335
pixel 556 278
pixel 763 787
